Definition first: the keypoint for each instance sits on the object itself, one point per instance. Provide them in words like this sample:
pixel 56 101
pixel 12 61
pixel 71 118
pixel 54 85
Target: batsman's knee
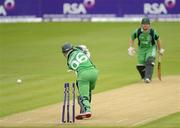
pixel 150 61
pixel 149 68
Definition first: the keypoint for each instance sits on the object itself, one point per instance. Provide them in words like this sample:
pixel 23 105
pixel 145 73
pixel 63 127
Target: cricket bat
pixel 159 68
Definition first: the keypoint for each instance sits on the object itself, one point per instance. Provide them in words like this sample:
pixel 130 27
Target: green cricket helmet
pixel 145 20
pixel 67 47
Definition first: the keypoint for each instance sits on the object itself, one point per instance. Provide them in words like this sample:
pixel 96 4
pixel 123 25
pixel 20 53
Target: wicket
pixel 68 88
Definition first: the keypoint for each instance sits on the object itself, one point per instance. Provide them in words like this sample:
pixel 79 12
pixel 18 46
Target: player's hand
pixel 131 51
pixel 161 51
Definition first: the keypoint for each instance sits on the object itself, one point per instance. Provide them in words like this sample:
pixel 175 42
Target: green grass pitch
pixel 31 52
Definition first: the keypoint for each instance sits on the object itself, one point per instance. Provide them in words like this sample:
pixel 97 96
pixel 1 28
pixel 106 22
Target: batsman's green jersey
pixel 87 75
pixel 146 44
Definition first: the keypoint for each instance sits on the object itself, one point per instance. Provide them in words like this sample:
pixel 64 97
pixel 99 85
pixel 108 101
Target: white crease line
pixel 24 120
pixel 140 122
pixel 119 121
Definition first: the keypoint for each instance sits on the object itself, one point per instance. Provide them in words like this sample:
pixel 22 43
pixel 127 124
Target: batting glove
pixel 69 70
pixel 131 51
pixel 161 51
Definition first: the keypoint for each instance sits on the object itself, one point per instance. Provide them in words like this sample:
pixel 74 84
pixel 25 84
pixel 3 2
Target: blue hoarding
pixel 58 9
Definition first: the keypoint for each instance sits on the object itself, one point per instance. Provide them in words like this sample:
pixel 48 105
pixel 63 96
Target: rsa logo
pixel 159 8
pixel 7 6
pixel 78 8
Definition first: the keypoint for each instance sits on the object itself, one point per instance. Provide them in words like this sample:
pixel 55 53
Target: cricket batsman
pixel 78 60
pixel 148 44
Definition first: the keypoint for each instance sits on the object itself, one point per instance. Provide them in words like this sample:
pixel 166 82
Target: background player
pixel 148 42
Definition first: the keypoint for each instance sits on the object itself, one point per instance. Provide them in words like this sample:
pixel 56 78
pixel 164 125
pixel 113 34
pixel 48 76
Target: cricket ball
pixel 19 81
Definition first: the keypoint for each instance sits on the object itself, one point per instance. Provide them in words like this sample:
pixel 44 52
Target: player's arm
pixel 158 44
pixel 131 44
pixel 131 49
pixel 160 49
pixel 69 68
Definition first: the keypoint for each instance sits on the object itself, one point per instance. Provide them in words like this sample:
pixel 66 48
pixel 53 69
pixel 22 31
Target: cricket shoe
pixel 83 115
pixel 147 80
